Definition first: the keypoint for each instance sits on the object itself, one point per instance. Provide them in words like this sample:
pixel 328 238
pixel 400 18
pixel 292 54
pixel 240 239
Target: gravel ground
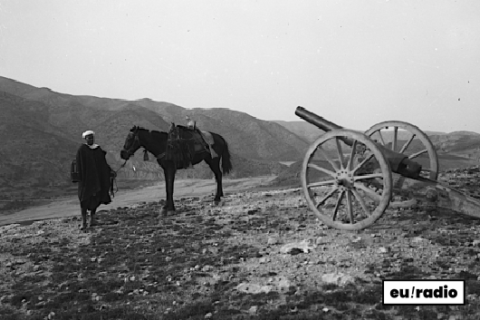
pixel 259 255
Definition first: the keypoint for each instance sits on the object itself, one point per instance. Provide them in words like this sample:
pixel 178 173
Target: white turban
pixel 86 133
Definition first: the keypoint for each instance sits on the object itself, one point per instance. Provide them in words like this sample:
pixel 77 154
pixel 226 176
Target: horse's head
pixel 132 144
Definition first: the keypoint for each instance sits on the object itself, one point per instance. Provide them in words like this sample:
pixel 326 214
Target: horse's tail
pixel 226 163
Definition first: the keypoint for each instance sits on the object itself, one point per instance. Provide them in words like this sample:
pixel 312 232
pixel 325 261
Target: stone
pixel 320 240
pixel 263 260
pixel 383 250
pixel 253 288
pixel 207 268
pixel 283 284
pixel 339 279
pixel 417 239
pixel 297 247
pixel 272 241
pixel 253 310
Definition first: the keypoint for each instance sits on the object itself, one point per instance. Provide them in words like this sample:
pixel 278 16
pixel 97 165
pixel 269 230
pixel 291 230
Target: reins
pixel 114 180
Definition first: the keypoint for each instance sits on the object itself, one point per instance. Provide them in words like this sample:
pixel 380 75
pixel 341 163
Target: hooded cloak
pixel 94 173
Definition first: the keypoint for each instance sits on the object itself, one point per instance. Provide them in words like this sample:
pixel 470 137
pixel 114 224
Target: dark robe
pixel 94 173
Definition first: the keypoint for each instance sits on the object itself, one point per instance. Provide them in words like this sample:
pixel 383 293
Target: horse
pixel 156 142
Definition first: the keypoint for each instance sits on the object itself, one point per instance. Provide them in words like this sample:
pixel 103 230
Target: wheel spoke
pixel 321 183
pixel 340 152
pixel 395 137
pixel 416 154
pixel 381 137
pixel 327 196
pixel 405 146
pixel 333 164
pixel 369 192
pixel 368 176
pixel 349 206
pixel 361 201
pixel 314 166
pixel 352 155
pixel 363 162
pixel 337 205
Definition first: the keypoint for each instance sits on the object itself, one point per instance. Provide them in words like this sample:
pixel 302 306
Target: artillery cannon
pixel 349 178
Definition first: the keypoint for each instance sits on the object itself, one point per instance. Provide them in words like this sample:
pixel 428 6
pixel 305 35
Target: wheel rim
pixel 335 180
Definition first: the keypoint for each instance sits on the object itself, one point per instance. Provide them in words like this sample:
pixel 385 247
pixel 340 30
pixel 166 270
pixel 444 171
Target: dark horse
pixel 155 142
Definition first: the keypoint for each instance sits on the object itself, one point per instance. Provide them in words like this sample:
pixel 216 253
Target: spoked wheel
pixel 405 138
pixel 337 175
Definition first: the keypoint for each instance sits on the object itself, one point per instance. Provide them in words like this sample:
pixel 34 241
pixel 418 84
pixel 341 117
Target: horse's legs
pixel 169 173
pixel 214 165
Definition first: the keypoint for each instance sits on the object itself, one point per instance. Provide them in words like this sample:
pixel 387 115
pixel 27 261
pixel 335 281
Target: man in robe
pixel 94 181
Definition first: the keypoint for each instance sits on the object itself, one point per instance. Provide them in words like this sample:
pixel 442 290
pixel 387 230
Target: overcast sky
pixel 354 62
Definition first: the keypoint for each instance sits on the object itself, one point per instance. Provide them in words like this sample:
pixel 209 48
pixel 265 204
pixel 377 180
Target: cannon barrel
pixel 320 122
pixel 316 120
pixel 399 163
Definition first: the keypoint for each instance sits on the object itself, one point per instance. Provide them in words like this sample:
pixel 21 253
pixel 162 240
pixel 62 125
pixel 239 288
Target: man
pixel 94 177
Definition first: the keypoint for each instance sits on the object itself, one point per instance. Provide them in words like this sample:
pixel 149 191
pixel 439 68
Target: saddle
pixel 184 142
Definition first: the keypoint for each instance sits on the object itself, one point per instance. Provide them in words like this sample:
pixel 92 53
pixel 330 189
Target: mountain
pixel 28 141
pixel 460 143
pixel 266 140
pixel 302 129
pixel 41 131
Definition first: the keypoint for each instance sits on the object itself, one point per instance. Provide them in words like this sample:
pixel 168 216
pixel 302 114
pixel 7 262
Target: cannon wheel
pixel 430 166
pixel 346 179
pixel 376 131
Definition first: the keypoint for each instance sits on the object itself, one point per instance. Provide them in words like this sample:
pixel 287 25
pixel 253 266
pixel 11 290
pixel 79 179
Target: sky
pixel 355 63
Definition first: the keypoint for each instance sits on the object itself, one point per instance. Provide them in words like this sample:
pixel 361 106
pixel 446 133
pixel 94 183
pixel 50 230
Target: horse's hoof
pixel 216 202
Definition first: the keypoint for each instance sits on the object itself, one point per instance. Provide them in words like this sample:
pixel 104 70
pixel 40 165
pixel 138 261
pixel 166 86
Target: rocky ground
pixel 260 255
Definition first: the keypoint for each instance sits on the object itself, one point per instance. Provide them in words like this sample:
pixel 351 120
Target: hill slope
pixel 42 130
pixel 266 140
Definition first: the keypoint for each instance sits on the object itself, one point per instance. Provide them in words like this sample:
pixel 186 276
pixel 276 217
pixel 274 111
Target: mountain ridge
pixel 41 130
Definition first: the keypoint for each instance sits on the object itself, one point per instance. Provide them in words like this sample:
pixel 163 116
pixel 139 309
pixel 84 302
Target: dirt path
pixel 70 207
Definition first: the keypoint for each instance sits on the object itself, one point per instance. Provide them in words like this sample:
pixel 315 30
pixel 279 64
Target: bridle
pixel 129 154
pixel 135 142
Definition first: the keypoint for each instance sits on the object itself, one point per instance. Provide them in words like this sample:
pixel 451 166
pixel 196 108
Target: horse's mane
pixel 152 132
